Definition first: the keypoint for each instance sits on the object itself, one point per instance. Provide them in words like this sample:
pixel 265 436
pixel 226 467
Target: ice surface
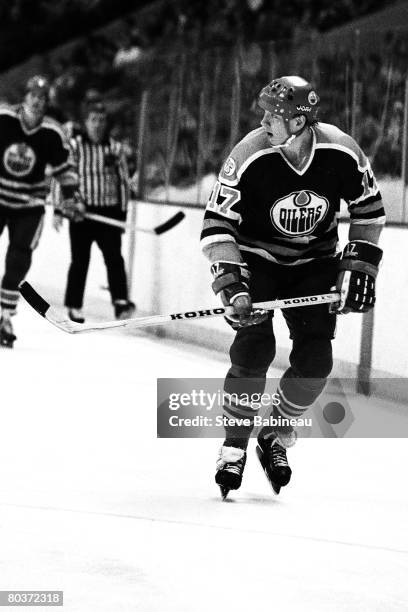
pixel 93 504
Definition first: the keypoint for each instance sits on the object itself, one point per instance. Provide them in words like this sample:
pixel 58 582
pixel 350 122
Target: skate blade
pixel 275 487
pixel 224 492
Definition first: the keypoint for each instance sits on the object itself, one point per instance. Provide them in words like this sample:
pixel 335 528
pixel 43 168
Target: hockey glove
pixel 358 268
pixel 73 208
pixel 231 281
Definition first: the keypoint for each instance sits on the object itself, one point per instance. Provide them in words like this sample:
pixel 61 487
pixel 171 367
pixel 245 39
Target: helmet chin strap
pixel 289 139
pixel 286 143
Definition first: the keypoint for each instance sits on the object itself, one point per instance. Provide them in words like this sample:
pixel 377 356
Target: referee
pixel 103 184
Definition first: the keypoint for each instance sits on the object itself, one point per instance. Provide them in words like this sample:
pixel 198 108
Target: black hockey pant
pixel 24 229
pixel 311 329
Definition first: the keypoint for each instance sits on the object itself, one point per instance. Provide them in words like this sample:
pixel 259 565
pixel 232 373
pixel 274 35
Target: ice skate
pixel 272 456
pixel 7 336
pixel 124 309
pixel 230 467
pixel 76 315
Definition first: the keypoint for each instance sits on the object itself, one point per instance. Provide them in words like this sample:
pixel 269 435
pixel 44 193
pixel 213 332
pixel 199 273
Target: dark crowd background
pixel 34 26
pixel 199 66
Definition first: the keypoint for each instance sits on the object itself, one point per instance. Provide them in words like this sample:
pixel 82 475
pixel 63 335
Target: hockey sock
pixel 296 395
pixel 238 410
pixel 8 301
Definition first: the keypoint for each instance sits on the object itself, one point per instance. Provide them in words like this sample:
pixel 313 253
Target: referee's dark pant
pixel 109 240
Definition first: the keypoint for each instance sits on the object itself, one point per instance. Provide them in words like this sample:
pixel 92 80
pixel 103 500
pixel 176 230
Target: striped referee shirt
pixel 103 175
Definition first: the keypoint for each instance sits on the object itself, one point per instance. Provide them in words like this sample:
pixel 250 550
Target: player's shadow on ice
pixel 250 498
pixel 253 498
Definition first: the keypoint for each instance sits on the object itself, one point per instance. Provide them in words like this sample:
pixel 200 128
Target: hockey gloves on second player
pixel 231 281
pixel 71 205
pixel 358 268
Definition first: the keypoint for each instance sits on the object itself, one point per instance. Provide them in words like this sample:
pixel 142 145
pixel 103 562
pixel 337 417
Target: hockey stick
pixel 159 229
pixel 51 314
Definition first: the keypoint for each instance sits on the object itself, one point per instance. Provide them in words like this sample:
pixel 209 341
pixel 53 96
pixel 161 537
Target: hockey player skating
pixel 30 142
pixel 270 231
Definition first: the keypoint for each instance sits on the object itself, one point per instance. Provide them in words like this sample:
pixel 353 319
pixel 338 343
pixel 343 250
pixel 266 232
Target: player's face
pixel 275 127
pixel 35 104
pixel 95 125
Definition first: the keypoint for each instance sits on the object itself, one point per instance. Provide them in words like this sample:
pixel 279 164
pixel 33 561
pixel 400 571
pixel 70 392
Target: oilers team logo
pixel 299 213
pixel 19 159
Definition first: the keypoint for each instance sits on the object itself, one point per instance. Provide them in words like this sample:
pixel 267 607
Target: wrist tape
pixel 227 273
pixel 361 256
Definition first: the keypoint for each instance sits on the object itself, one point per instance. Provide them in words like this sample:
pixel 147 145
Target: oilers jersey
pixel 269 207
pixel 27 156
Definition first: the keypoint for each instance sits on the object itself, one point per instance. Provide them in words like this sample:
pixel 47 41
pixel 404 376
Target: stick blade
pixel 170 223
pixel 34 299
pixel 43 308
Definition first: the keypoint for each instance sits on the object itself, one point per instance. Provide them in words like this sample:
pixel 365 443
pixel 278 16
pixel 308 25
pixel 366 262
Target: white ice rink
pixel 92 503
